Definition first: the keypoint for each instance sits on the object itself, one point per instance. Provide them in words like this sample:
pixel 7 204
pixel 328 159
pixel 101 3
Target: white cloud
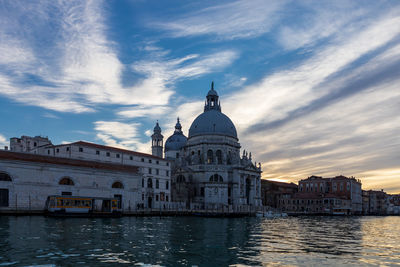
pixel 238 19
pixel 82 69
pixel 280 93
pixel 3 141
pixel 123 135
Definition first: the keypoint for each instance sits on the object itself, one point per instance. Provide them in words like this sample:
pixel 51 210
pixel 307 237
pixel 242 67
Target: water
pixel 187 241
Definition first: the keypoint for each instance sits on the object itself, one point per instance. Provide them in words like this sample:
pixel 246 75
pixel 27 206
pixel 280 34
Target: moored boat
pixel 78 206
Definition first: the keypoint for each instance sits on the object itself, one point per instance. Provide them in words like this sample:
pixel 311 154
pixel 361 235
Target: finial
pixel 212 85
pixel 178 119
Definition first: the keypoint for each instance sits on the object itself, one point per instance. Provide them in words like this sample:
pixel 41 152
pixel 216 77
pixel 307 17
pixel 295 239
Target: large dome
pixel 212 121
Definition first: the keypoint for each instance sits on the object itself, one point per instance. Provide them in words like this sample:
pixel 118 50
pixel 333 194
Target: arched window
pixel 210 156
pixel 167 185
pixel 5 177
pixel 149 183
pixel 181 179
pixel 216 178
pixel 219 156
pixel 66 181
pixel 117 185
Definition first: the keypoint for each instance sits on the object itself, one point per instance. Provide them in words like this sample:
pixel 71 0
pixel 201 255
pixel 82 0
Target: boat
pixel 271 214
pixel 78 206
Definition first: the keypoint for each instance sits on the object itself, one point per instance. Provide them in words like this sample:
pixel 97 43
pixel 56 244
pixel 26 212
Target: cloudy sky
pixel 313 87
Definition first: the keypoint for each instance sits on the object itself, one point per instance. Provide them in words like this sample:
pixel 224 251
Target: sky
pixel 313 87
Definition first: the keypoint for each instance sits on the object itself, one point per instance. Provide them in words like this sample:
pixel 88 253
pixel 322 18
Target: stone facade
pixel 208 171
pixel 154 186
pixel 27 180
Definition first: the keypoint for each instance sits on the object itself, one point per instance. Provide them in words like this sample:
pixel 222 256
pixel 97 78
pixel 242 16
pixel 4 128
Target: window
pixel 117 155
pixel 67 149
pixel 177 155
pixel 142 196
pixel 157 171
pixel 4 197
pixel 117 185
pixel 81 149
pixel 142 159
pixel 48 152
pixel 156 197
pixel 180 179
pixel 149 160
pixel 216 178
pixel 34 144
pixel 142 182
pixel 149 183
pixel 209 156
pixel 149 170
pixel 167 163
pixel 167 173
pixel 157 162
pixel 219 156
pixel 97 152
pixel 57 150
pixel 202 191
pixel 130 157
pixel 5 177
pixel 66 193
pixel 166 198
pixel 157 184
pixel 66 181
pixel 167 185
pixel 107 154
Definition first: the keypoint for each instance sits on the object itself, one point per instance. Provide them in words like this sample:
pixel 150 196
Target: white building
pixel 208 171
pixel 149 186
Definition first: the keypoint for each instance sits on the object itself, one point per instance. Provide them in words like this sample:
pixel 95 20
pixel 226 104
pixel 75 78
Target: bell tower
pixel 157 142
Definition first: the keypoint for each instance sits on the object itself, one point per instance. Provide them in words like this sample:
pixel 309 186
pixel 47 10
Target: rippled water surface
pixel 177 241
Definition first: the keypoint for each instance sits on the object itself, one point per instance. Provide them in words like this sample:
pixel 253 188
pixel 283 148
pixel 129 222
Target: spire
pixel 178 127
pixel 212 102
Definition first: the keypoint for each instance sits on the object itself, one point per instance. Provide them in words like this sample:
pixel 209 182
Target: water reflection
pixel 186 241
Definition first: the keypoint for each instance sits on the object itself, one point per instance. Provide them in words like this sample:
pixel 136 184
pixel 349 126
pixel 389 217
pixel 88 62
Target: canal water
pixel 188 241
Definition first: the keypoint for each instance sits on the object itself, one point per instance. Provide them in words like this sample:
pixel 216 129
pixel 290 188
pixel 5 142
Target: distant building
pixel 317 195
pixel 272 192
pixel 375 202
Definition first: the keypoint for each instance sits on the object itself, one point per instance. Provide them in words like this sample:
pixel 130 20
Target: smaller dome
pixel 176 141
pixel 157 128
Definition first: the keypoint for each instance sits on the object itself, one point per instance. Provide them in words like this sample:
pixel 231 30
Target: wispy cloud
pixel 119 134
pixel 328 116
pixel 83 68
pixel 238 19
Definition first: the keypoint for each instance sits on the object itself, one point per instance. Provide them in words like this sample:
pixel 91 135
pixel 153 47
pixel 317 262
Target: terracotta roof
pixel 8 155
pixel 110 148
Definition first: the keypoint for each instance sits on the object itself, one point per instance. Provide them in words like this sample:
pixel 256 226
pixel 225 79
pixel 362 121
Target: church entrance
pixel 149 202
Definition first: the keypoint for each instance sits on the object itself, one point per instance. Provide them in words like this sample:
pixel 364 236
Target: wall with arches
pixel 24 186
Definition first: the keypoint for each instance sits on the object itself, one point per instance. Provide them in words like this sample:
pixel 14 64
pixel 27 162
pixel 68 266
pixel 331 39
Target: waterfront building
pixel 317 195
pixel 375 202
pixel 208 171
pixel 273 191
pixel 26 180
pixel 148 187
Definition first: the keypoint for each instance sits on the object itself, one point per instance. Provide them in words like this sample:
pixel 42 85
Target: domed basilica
pixel 207 168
